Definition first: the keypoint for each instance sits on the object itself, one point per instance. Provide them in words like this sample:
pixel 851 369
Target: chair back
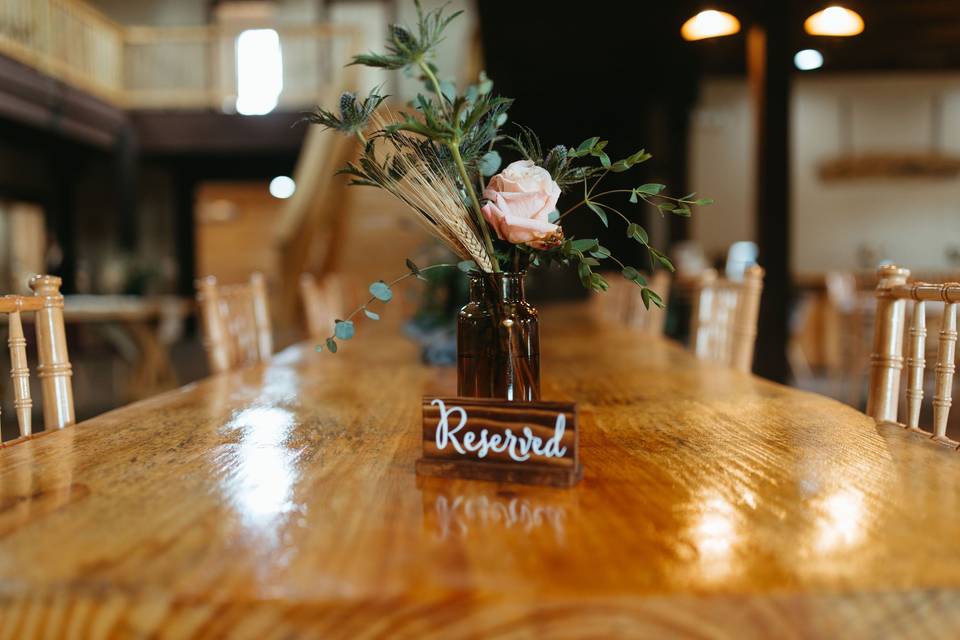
pixel 724 318
pixel 236 322
pixel 322 303
pixel 887 360
pixel 622 303
pixel 53 366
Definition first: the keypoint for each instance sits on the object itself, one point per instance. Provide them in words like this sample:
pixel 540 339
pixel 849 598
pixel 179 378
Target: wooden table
pixel 281 501
pixel 152 323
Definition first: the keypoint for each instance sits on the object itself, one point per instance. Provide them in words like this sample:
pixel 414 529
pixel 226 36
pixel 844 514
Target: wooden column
pixel 886 361
pixel 54 368
pixel 768 64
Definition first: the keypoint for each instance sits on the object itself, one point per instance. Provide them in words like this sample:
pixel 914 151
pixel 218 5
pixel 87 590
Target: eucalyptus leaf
pixel 630 273
pixel 485 85
pixel 490 163
pixel 638 233
pixel 597 209
pixel 587 145
pixel 585 245
pixel 600 252
pixel 413 267
pixel 331 345
pixel 650 189
pixel 467 266
pixel 343 329
pixel 448 89
pixel 645 296
pixel 381 291
pixel 371 314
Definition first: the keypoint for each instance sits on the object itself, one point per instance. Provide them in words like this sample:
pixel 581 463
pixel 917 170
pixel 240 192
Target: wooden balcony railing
pixel 163 67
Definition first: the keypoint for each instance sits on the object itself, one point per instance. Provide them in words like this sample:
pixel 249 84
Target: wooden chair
pixel 886 361
pixel 322 303
pixel 724 318
pixel 622 303
pixel 54 368
pixel 236 322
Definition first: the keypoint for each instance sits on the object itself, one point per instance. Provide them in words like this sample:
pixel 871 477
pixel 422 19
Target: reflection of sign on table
pixel 490 439
pixel 458 515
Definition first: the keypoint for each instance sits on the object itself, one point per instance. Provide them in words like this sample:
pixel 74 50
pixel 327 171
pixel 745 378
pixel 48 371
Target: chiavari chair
pixel 887 359
pixel 236 322
pixel 53 368
pixel 724 317
pixel 622 303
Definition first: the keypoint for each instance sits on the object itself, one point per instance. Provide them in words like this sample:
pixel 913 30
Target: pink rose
pixel 521 197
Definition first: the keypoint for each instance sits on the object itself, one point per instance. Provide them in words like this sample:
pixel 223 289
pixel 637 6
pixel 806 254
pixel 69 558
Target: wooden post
pixel 916 364
pixel 770 69
pixel 886 361
pixel 20 372
pixel 946 366
pixel 54 368
pixel 214 329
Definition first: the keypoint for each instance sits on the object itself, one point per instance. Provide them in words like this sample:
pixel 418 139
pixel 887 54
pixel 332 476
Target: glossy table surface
pixel 281 501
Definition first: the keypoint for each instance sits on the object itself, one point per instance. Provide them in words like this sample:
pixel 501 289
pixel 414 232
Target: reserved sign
pixel 491 439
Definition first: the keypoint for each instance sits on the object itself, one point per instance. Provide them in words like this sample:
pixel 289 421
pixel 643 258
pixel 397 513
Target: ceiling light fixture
pixel 709 24
pixel 834 21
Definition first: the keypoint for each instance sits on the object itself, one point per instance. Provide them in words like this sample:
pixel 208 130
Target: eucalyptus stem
pixel 434 81
pixel 409 274
pixel 454 146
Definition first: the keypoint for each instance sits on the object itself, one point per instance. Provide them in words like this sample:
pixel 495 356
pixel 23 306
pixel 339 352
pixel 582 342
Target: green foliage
pixel 354 113
pixel 406 48
pixel 597 209
pixel 459 135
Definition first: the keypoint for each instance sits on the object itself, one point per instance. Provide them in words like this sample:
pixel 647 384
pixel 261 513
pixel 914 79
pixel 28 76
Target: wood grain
pixel 281 501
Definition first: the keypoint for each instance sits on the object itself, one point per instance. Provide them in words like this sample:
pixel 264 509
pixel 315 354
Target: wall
pixel 167 13
pixel 455 54
pixel 839 224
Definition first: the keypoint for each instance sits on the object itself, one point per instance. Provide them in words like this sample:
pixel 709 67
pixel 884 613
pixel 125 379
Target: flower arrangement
pixel 442 159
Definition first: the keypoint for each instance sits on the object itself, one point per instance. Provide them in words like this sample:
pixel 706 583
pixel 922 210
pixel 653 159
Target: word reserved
pixel 492 439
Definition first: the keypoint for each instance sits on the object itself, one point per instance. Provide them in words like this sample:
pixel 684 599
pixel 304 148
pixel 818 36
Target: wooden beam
pixel 768 64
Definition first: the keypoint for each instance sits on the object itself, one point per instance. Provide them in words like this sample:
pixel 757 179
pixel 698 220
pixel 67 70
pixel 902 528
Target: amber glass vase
pixel 498 340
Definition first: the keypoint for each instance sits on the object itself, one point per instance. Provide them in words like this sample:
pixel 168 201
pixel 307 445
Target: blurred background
pixel 144 144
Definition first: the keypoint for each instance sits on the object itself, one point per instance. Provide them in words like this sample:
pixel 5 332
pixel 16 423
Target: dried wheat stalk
pixel 433 194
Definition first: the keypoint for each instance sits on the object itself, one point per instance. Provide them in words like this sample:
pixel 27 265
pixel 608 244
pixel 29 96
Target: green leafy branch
pixel 354 115
pixel 380 291
pixel 406 49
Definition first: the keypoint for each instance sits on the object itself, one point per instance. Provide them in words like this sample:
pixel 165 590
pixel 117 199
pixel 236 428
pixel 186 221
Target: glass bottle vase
pixel 498 340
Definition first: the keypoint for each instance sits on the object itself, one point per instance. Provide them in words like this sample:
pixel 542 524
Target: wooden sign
pixel 491 439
